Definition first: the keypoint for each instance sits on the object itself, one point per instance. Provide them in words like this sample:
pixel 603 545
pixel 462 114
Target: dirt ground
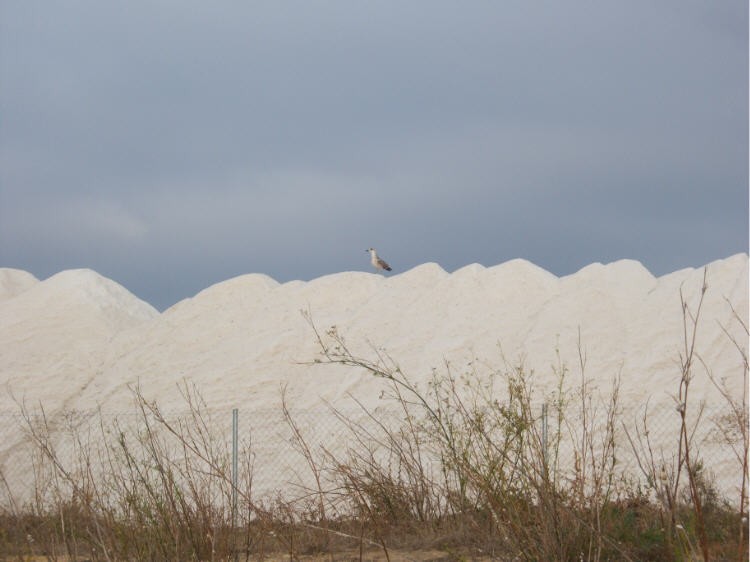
pixel 395 556
pixel 348 556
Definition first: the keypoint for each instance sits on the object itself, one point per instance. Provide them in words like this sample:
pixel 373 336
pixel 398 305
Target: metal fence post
pixel 235 475
pixel 544 435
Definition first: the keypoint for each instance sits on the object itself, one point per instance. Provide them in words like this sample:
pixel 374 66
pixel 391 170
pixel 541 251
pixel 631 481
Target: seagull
pixel 377 262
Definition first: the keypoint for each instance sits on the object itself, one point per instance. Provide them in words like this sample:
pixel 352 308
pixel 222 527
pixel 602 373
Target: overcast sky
pixel 170 145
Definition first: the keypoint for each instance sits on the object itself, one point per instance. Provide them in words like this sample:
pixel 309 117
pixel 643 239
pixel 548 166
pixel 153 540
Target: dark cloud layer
pixel 176 144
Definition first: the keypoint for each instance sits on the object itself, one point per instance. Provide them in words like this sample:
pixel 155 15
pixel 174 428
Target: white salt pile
pixel 78 340
pixel 15 281
pixel 55 333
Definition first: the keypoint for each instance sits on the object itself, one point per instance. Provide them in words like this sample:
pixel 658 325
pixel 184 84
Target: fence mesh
pixel 278 461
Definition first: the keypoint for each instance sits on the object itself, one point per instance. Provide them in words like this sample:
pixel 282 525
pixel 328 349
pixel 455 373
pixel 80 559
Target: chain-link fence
pixel 279 452
pixel 646 443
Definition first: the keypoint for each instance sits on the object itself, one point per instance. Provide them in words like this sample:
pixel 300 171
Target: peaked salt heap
pixel 55 333
pixel 78 340
pixel 14 282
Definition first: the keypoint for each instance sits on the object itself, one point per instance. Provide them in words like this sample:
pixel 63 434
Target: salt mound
pixel 618 276
pixel 78 340
pixel 14 282
pixel 236 291
pixel 54 334
pixel 247 336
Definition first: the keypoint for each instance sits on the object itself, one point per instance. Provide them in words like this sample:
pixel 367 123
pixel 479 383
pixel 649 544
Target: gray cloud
pixel 172 146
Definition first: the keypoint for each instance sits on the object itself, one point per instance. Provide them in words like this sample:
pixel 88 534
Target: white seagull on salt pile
pixel 377 262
